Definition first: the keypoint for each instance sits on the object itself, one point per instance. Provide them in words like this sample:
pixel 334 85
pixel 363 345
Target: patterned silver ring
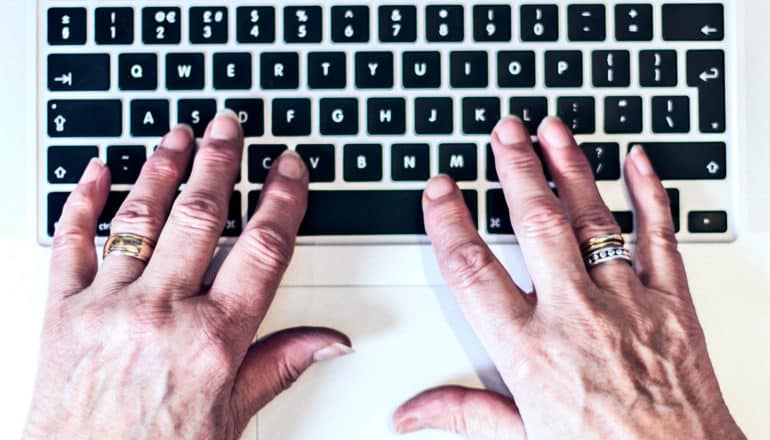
pixel 604 255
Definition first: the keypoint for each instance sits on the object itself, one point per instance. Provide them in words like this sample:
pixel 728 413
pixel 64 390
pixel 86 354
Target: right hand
pixel 616 352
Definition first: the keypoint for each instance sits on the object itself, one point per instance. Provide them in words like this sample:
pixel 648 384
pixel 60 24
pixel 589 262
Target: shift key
pixel 85 118
pixel 687 160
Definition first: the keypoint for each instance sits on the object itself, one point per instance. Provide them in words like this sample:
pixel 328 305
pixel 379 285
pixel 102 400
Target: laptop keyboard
pixel 376 98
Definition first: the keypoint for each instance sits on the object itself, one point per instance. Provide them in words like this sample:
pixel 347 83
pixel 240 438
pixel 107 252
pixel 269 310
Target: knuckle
pixel 469 262
pixel 283 194
pixel 542 218
pixel 516 164
pixel 200 211
pixel 594 219
pixel 663 236
pixel 70 237
pixel 286 374
pixel 220 154
pixel 269 247
pixel 139 213
pixel 163 168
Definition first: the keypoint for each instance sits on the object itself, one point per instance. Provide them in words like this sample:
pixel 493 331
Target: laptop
pixel 377 96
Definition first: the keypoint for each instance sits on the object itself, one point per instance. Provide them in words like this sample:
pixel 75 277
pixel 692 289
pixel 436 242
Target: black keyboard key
pixel 539 22
pixel 234 222
pixel 398 24
pixel 338 116
pixel 251 113
pixel 658 68
pixel 279 70
pixel 480 115
pixel 208 25
pixel 67 164
pixel 707 222
pixel 350 24
pixel 302 24
pixel 611 68
pixel 386 116
pixel 587 22
pixel 633 22
pixel 516 69
pixel 255 24
pixel 232 71
pixel 261 158
pixel 623 114
pixel 693 22
pixel 433 116
pixel 114 26
pixel 138 71
pixel 579 113
pixel 468 69
pixel 410 162
pixel 444 23
pixel 390 212
pixel 673 199
pixel 67 26
pixel 149 118
pixel 319 160
pixel 85 118
pixel 327 70
pixel 687 160
pixel 563 68
pixel 197 113
pixel 55 208
pixel 78 72
pixel 458 161
pixel 498 215
pixel 362 163
pixel 161 25
pixel 185 71
pixel 491 23
pixel 531 111
pixel 291 117
pixel 625 220
pixel 114 202
pixel 125 163
pixel 374 70
pixel 604 159
pixel 671 114
pixel 422 70
pixel 706 71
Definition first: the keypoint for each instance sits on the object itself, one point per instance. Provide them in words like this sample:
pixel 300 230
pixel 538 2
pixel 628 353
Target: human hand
pixel 135 351
pixel 616 352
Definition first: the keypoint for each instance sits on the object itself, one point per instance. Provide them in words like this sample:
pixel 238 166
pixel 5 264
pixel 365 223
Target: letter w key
pixel 81 72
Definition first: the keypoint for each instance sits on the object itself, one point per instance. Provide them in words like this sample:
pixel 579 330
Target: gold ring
pixel 601 241
pixel 129 245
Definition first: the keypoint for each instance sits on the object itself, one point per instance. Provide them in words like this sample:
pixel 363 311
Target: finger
pixel 585 208
pixel 492 302
pixel 73 254
pixel 248 279
pixel 657 259
pixel 197 219
pixel 475 414
pixel 276 362
pixel 145 209
pixel 544 233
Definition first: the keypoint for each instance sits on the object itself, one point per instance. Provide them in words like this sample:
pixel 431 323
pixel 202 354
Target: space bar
pixel 382 212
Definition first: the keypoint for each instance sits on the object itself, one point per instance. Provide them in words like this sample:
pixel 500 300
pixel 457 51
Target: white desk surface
pixel 394 357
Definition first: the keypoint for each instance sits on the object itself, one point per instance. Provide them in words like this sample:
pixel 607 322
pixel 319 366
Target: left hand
pixel 135 351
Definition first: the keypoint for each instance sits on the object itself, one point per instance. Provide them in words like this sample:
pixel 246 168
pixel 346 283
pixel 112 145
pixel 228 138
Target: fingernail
pixel 555 133
pixel 93 170
pixel 439 187
pixel 409 424
pixel 179 139
pixel 332 351
pixel 640 160
pixel 511 131
pixel 225 126
pixel 291 165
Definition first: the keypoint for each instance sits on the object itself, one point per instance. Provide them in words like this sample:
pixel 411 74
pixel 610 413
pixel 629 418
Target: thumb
pixel 273 363
pixel 475 414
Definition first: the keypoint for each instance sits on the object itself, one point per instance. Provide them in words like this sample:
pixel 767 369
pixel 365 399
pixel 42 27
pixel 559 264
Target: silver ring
pixel 604 255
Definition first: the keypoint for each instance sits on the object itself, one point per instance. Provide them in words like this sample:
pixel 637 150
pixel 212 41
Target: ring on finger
pixel 601 241
pixel 129 245
pixel 605 255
